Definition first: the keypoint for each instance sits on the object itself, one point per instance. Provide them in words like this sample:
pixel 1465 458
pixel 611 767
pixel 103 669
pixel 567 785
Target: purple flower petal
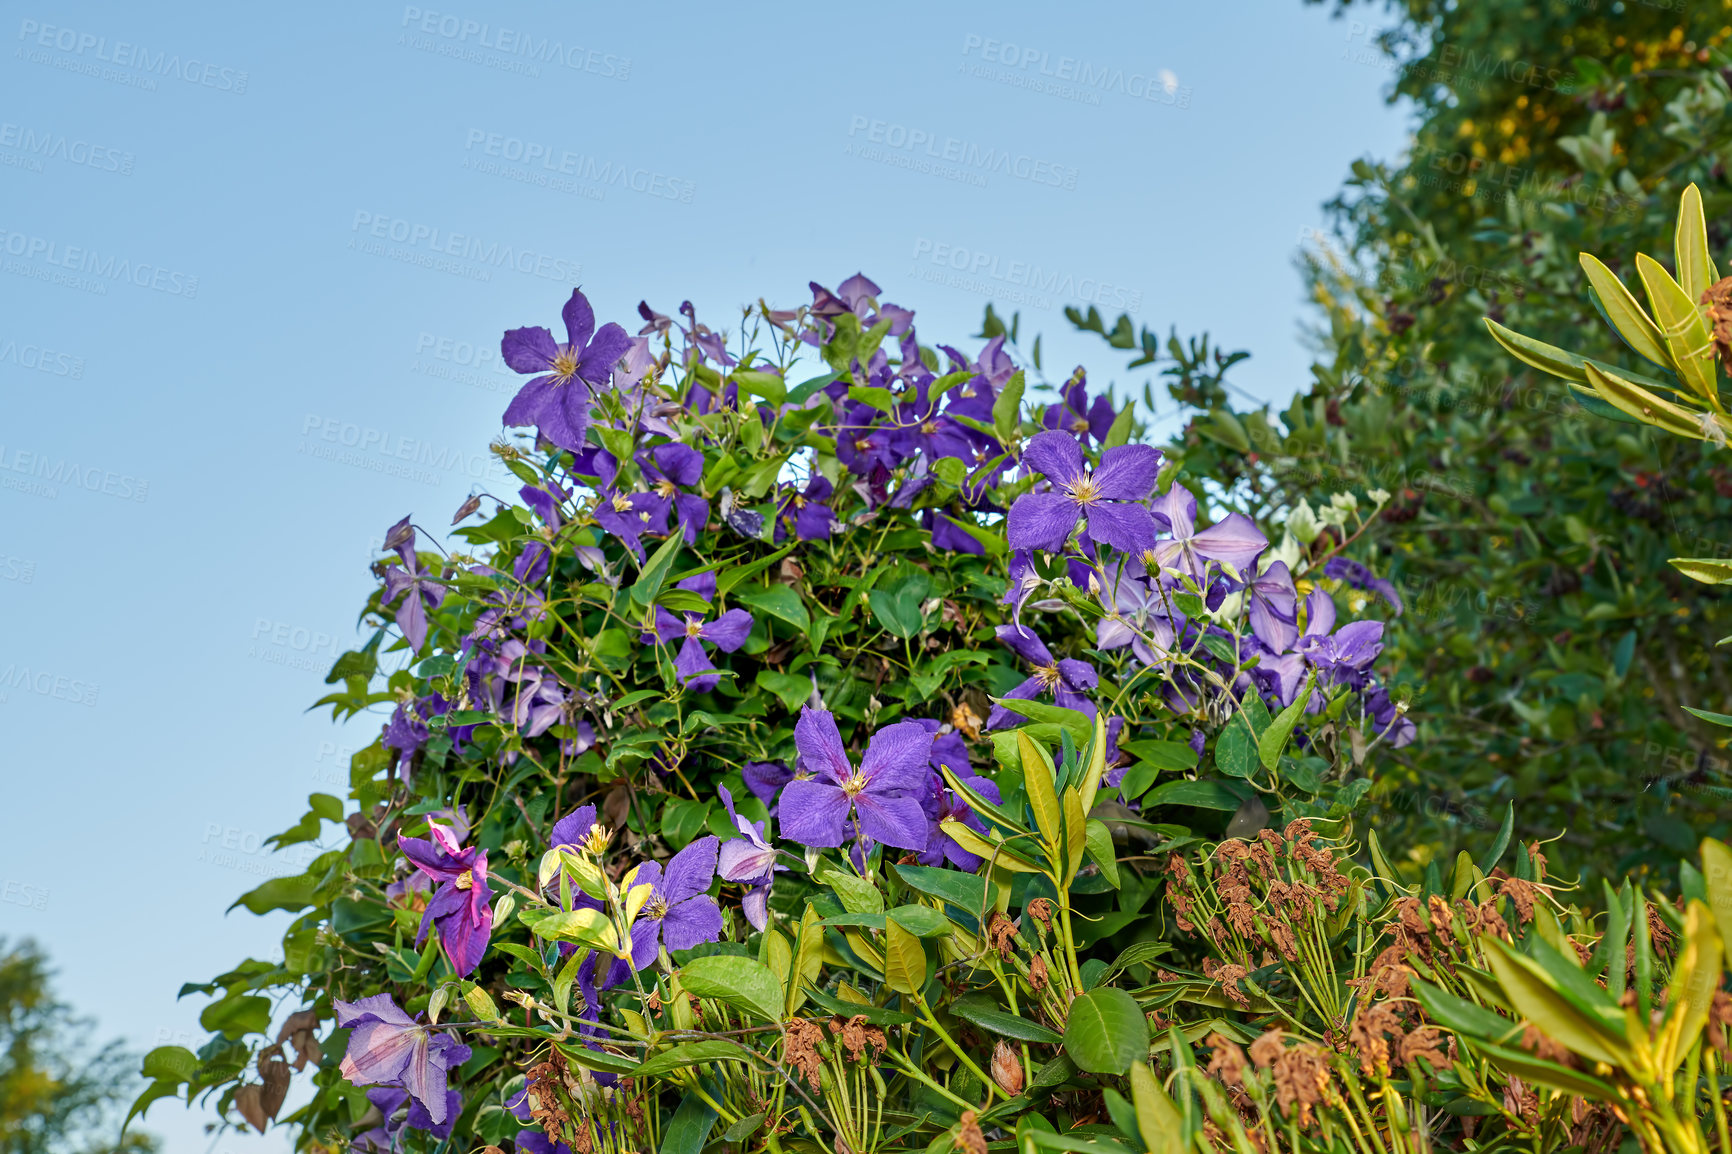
pixel 574 827
pixel 579 319
pixel 1042 520
pixel 814 813
pixel 690 871
pixel 894 821
pixel 820 746
pixel 1022 641
pixel 1179 508
pixel 896 758
pixel 1126 527
pixel 729 631
pixel 609 345
pixel 1234 539
pixel 1056 455
pixel 1128 472
pixel 529 350
pixel 691 922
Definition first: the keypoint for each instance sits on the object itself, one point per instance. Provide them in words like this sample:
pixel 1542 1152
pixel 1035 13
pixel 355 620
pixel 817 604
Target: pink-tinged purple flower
pixel 1068 680
pixel 417 586
pixel 1137 613
pixel 1234 539
pixel 557 402
pixel 807 511
pixel 709 344
pixel 1105 499
pixel 461 908
pixel 882 796
pixel 1361 577
pixel 727 633
pixel 669 467
pixel 750 860
pixel 1388 721
pixel 680 912
pixel 1273 607
pixel 387 1047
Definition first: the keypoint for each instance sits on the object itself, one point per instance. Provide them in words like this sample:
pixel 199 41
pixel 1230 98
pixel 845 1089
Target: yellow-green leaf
pixel 1645 406
pixel 1708 570
pixel 1546 358
pixel 1157 1117
pixel 1075 835
pixel 1690 245
pixel 1694 980
pixel 1717 877
pixel 904 959
pixel 995 852
pixel 1037 781
pixel 1682 325
pixel 1631 320
pixel 1534 998
pixel 1097 767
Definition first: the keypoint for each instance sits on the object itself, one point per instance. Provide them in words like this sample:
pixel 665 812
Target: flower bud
pixel 1006 1069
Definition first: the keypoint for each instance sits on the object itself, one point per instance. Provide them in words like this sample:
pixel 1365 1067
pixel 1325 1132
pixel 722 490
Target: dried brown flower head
pixel 1037 975
pixel 1226 1060
pixel 800 1039
pixel 1000 933
pixel 1007 1069
pixel 969 1138
pixel 1718 299
pixel 1040 909
pixel 1266 1049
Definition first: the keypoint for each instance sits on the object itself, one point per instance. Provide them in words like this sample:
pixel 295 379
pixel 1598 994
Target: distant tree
pixel 56 1095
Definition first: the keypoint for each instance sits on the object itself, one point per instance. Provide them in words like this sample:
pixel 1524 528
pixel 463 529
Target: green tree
pixel 56 1096
pixel 1546 646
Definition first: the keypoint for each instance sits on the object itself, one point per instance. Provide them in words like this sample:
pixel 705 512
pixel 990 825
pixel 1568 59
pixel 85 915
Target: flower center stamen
pixel 694 627
pixel 1047 675
pixel 565 364
pixel 1083 490
pixel 464 880
pixel 855 785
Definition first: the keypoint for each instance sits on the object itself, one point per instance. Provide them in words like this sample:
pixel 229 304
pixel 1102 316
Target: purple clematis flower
pixel 629 516
pixel 387 1138
pixel 809 511
pixel 765 779
pixel 671 466
pixel 883 794
pixel 388 1047
pixel 727 632
pixel 423 592
pixel 1105 499
pixel 680 912
pixel 557 402
pixel 1066 679
pixel 461 907
pixel 1074 414
pixel 945 803
pixel 1234 539
pixel 1361 577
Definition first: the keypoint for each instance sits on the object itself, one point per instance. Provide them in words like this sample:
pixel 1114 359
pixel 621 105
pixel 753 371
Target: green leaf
pixel 595 1059
pixel 922 921
pixel 1236 748
pixel 877 1015
pixel 692 1054
pixel 1123 424
pixel 1158 1121
pixel 803 391
pixel 1534 994
pixel 880 399
pixel 727 579
pixel 1165 755
pixel 1002 1023
pixel 655 570
pixel 779 601
pixel 759 383
pixel 1724 720
pixel 1717 876
pixel 967 892
pixel 1007 409
pixel 1501 842
pixel 170 1064
pixel 1549 1074
pixel 744 1128
pixel 1461 1015
pixel 290 893
pixel 1274 739
pixel 1080 725
pixel 791 688
pixel 237 1015
pixel 1643 405
pixel 858 896
pixel 1052 1073
pixel 1106 1031
pixel 1197 794
pixel 1100 848
pixel 899 613
pixel 744 983
pixel 689 1128
pixel 904 959
pixel 1136 953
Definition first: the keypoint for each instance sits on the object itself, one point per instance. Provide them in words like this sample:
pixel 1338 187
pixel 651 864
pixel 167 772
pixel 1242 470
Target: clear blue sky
pixel 254 265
